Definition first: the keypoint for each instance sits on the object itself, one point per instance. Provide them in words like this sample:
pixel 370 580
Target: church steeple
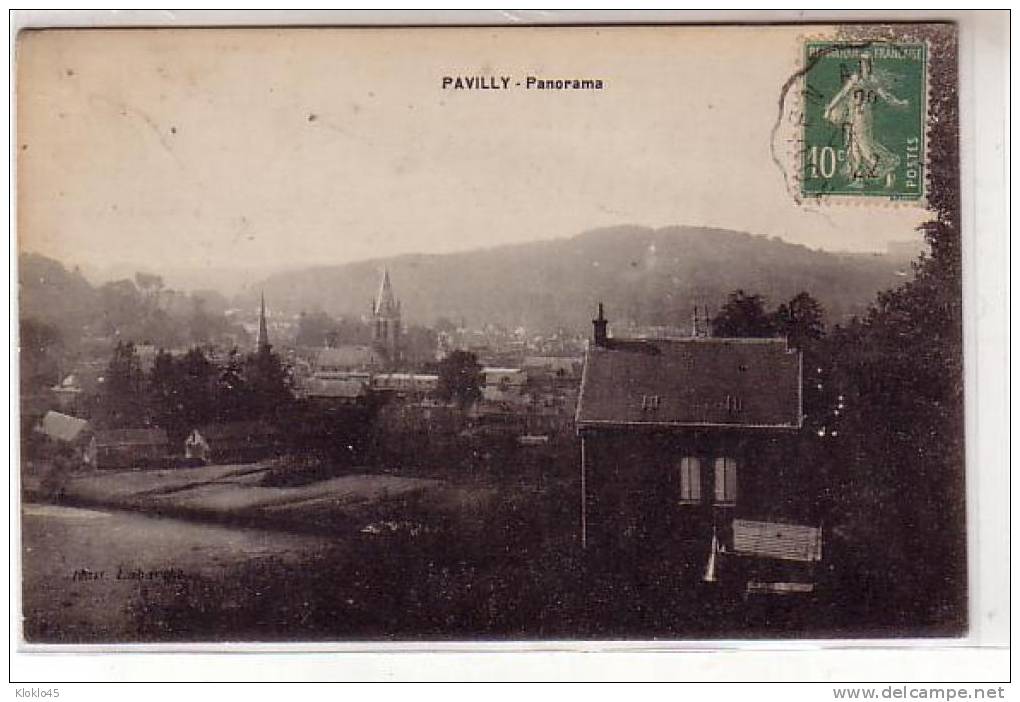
pixel 386 320
pixel 262 340
pixel 385 303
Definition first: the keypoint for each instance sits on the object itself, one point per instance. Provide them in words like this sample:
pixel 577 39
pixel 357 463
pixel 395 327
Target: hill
pixel 644 275
pixel 50 292
pixel 140 309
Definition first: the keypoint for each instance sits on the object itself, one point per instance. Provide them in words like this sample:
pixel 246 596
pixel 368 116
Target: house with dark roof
pixel 680 437
pixel 336 391
pixel 341 360
pixel 407 386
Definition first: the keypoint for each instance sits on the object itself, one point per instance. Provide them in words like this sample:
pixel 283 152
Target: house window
pixel 690 480
pixel 725 481
pixel 649 402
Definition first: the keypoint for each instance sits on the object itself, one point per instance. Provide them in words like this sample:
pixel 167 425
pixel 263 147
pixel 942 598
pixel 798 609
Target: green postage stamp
pixel 863 120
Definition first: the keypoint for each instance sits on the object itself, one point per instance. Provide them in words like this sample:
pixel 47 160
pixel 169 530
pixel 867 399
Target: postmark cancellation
pixel 855 117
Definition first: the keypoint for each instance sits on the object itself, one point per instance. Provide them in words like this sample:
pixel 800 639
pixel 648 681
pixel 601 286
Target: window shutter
pixel 690 479
pixel 725 481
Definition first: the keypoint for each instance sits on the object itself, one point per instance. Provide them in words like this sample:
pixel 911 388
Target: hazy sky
pixel 250 147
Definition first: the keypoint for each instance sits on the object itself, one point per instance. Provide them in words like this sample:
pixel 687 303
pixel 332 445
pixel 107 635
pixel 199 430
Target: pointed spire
pixel 385 303
pixel 262 340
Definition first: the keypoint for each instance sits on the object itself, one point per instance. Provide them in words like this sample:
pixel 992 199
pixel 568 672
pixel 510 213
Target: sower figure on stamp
pixel 853 109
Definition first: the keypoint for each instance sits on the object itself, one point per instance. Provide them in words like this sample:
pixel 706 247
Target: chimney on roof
pixel 697 331
pixel 599 326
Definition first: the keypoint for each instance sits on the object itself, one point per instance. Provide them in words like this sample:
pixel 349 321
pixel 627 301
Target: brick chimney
pixel 599 326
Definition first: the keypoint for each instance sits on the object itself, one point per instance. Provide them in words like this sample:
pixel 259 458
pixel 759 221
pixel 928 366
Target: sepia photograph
pixel 490 334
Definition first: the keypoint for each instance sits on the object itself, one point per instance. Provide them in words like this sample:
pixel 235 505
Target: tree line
pixel 883 399
pixel 142 307
pixel 801 320
pixel 179 393
pixel 883 427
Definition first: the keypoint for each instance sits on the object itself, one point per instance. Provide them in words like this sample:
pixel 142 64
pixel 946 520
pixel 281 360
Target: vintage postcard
pixel 487 333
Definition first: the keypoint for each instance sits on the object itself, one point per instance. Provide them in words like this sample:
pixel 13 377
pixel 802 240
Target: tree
pixel 419 345
pixel 460 378
pixel 122 403
pixel 801 320
pixel 743 315
pixel 121 307
pixel 352 331
pixel 163 390
pixel 268 384
pixel 196 378
pixel 232 391
pixel 151 286
pixel 39 347
pixel 201 325
pixel 314 328
pixel 897 474
pixel 182 392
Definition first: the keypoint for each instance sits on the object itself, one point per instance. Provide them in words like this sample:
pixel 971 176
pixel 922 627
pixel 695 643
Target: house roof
pixel 552 363
pixel 347 357
pixel 418 377
pixel 323 387
pixel 131 437
pixel 789 542
pixel 236 430
pixel 62 427
pixel 706 382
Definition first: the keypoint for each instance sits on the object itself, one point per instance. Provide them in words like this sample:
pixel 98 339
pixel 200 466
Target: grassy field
pixel 245 495
pixel 378 555
pixel 94 575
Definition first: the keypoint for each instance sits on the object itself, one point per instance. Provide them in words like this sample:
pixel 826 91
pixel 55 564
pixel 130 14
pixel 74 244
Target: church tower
pixel 386 321
pixel 262 340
